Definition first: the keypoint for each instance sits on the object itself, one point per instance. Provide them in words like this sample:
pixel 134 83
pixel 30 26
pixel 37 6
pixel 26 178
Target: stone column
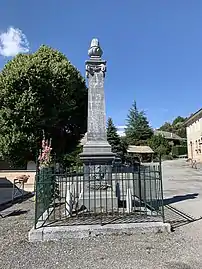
pixel 98 193
pixel 96 150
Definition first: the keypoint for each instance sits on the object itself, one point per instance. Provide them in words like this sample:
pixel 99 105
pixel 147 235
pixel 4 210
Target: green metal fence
pixel 99 194
pixel 46 191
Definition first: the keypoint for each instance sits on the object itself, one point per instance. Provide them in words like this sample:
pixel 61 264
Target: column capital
pixel 95 66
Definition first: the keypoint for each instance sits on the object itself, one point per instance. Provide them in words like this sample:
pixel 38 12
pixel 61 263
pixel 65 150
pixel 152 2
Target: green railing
pixel 45 189
pixel 99 194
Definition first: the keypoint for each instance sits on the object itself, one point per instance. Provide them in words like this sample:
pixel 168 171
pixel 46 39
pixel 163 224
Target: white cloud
pixel 13 42
pixel 121 130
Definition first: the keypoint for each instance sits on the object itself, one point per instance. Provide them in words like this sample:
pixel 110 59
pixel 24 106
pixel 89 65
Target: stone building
pixel 194 136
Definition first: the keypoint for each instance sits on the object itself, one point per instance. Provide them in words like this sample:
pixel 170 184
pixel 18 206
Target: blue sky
pixel 153 48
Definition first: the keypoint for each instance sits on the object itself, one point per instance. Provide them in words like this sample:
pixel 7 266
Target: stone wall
pixel 194 139
pixel 12 174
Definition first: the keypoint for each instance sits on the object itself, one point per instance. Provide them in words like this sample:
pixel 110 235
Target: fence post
pixel 161 185
pixel 139 183
pixel 68 202
pixel 128 201
pixel 36 199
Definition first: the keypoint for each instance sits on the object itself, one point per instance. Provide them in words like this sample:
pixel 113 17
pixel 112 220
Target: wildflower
pixel 45 153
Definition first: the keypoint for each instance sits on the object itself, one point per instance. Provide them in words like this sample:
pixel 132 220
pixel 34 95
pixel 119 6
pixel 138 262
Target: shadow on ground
pixel 12 213
pixel 178 218
pixel 179 198
pixel 11 193
pixel 17 200
pixel 7 201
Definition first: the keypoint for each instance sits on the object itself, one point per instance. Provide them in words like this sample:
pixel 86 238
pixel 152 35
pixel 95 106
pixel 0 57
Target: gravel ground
pixel 181 249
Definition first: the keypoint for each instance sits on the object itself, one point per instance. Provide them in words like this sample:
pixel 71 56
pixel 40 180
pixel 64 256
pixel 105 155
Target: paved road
pixel 183 187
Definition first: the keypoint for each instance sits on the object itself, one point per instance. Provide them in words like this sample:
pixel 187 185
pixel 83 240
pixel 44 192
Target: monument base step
pixel 83 231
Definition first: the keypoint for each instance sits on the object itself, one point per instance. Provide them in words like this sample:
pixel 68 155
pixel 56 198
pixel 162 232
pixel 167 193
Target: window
pixel 199 146
pixel 196 148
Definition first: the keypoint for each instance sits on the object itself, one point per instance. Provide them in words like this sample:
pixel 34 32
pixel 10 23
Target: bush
pixel 159 145
pixel 179 150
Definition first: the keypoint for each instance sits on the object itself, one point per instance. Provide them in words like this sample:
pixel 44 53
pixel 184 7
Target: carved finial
pixel 95 51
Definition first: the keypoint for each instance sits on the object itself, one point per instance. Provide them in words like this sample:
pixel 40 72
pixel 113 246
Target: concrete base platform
pixel 83 231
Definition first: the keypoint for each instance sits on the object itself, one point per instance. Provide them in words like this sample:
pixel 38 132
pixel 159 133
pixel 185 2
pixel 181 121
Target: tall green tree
pixel 178 120
pixel 167 127
pixel 124 147
pixel 40 91
pixel 159 144
pixel 177 126
pixel 137 129
pixel 113 138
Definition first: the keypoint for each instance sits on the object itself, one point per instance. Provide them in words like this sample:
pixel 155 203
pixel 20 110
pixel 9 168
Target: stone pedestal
pixel 99 197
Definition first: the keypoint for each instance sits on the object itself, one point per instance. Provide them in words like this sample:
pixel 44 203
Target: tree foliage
pixel 73 159
pixel 177 126
pixel 137 129
pixel 167 127
pixel 124 147
pixel 178 120
pixel 113 138
pixel 40 91
pixel 159 145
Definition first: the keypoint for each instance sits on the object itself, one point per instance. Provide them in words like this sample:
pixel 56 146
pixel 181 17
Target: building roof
pixel 168 135
pixel 194 117
pixel 139 149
